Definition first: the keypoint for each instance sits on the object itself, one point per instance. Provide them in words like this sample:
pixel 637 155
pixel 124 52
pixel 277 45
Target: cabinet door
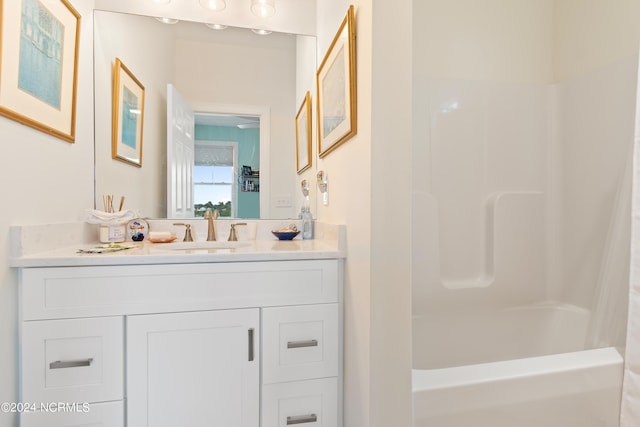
pixel 193 369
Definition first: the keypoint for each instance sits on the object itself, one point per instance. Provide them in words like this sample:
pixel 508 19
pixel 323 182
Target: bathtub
pixel 520 367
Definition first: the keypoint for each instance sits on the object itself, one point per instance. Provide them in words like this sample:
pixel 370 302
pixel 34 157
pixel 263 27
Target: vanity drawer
pixel 110 414
pixel 312 403
pixel 91 291
pixel 73 360
pixel 300 342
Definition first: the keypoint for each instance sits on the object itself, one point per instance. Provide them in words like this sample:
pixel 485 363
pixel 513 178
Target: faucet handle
pixel 187 233
pixel 233 236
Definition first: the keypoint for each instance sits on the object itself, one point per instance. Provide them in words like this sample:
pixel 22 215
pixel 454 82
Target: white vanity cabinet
pixel 238 344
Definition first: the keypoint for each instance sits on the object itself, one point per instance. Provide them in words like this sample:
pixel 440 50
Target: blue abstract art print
pixel 127 116
pixel 41 42
pixel 130 112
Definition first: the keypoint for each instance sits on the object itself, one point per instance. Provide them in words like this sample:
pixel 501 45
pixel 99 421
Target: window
pixel 213 177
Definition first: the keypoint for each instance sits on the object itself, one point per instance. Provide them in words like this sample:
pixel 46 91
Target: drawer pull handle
pixel 302 419
pixel 251 346
pixel 301 344
pixel 59 364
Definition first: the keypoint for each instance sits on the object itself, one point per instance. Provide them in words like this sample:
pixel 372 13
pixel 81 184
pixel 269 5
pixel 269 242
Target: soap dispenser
pixel 307 223
pixel 305 212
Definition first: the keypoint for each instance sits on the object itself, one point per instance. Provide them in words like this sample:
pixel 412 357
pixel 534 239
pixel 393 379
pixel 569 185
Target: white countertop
pixel 29 249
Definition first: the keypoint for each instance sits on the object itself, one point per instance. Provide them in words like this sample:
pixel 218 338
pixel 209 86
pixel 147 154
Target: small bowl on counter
pixel 287 233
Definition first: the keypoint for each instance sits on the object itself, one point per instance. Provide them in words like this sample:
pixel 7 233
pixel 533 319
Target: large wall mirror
pixel 244 90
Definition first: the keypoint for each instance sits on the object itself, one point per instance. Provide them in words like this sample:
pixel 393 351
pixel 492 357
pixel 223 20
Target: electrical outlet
pixel 283 201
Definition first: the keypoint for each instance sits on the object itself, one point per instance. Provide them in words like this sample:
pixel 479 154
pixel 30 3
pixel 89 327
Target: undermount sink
pixel 186 246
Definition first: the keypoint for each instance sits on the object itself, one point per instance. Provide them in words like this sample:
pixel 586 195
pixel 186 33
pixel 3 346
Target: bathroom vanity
pixel 246 336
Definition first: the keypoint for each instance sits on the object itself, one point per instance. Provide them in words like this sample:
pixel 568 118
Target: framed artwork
pixel 127 116
pixel 336 87
pixel 39 64
pixel 303 135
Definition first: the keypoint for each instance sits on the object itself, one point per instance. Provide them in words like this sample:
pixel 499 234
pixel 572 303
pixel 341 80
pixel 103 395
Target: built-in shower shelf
pixel 506 249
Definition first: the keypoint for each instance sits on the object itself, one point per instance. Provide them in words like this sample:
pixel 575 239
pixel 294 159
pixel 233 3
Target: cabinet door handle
pixel 60 364
pixel 302 419
pixel 301 344
pixel 251 348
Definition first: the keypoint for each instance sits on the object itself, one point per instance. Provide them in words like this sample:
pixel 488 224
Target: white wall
pixel 130 38
pixel 496 40
pixel 349 185
pixel 237 67
pixel 369 193
pixel 391 234
pixel 306 65
pixel 44 180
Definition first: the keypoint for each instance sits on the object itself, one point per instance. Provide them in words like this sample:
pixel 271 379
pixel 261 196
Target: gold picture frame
pixel 39 43
pixel 336 89
pixel 303 135
pixel 127 116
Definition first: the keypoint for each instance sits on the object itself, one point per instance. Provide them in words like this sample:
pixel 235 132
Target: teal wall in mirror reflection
pixel 248 140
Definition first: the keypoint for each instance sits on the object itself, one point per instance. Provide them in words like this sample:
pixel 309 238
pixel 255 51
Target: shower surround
pixel 521 222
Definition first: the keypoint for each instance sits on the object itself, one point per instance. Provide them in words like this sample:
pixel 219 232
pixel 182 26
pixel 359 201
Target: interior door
pixel 180 155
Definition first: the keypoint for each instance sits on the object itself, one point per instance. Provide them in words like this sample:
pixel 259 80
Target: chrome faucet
pixel 211 231
pixel 233 236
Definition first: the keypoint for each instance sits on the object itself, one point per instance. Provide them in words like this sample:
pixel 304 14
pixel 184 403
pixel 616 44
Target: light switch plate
pixel 283 201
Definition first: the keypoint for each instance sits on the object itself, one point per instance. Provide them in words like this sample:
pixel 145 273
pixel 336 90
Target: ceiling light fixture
pixel 216 26
pixel 261 32
pixel 263 8
pixel 215 5
pixel 169 21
